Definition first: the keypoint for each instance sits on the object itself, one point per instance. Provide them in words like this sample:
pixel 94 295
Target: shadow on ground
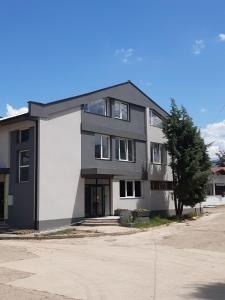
pixel 212 291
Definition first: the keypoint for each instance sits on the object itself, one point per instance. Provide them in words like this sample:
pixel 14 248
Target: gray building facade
pixel 84 156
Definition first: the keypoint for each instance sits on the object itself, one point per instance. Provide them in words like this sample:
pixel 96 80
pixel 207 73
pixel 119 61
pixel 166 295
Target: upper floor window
pixel 99 107
pixel 121 110
pixel 124 149
pixel 102 146
pixel 23 135
pixel 155 120
pixel 158 153
pixel 24 164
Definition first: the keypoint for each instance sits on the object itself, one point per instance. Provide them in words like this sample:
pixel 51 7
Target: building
pixel 84 156
pixel 216 187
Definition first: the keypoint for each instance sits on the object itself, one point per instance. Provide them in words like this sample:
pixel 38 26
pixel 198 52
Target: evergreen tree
pixel 190 162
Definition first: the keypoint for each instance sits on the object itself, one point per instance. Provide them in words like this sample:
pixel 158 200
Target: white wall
pixel 159 200
pixel 61 189
pixel 129 203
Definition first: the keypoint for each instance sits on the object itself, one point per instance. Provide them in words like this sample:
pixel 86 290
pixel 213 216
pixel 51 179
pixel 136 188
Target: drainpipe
pixel 36 225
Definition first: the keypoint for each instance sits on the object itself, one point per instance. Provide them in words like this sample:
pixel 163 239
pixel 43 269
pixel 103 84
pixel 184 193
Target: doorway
pixel 2 206
pixel 97 198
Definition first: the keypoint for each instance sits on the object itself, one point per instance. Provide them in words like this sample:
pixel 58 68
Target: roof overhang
pixel 109 172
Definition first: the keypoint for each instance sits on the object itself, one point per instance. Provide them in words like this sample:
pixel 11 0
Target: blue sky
pixel 53 49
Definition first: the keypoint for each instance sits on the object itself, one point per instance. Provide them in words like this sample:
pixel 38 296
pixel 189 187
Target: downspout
pixel 36 225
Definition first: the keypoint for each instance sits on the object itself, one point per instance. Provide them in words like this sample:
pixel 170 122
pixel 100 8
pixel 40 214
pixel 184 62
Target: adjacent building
pixel 84 156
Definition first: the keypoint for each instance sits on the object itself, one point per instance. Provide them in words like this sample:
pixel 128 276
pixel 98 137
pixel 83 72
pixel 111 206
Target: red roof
pixel 218 170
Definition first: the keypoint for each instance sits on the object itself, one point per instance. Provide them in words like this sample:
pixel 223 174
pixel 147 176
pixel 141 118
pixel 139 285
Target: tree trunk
pixel 179 209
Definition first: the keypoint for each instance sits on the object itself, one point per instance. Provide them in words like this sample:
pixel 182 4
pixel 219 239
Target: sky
pixel 53 49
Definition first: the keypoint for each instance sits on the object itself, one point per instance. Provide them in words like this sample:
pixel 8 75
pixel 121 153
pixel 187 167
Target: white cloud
pixel 222 37
pixel 203 110
pixel 144 82
pixel 214 133
pixel 128 56
pixel 11 111
pixel 198 46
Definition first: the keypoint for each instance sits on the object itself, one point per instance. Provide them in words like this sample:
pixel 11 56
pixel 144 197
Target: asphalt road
pixel 180 261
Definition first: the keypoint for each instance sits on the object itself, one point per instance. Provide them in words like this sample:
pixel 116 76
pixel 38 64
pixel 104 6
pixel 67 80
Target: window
pixel 158 153
pixel 124 149
pixel 23 135
pixel 162 185
pixel 130 189
pixel 102 146
pixel 121 110
pixel 24 164
pixel 155 120
pixel 99 107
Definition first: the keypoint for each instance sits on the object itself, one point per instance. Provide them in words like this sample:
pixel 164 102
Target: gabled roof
pixel 125 91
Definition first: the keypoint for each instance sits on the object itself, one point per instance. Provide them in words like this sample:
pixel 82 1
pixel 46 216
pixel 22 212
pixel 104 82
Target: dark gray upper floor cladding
pixel 21 213
pixel 92 166
pixel 133 128
pixel 126 91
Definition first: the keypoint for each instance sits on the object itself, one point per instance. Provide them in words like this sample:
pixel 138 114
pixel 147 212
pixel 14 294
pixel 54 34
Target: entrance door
pixel 1 200
pixel 96 200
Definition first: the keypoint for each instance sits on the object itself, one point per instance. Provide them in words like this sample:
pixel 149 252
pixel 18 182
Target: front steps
pixel 102 221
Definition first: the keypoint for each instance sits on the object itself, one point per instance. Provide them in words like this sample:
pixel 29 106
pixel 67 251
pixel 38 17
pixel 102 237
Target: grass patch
pixel 154 221
pixel 63 232
pixel 158 221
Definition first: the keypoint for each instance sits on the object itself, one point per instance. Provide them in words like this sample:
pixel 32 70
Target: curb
pixel 58 237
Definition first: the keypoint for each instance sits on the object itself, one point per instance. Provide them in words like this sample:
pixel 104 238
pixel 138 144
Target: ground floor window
pixel 162 185
pixel 130 189
pixel 220 189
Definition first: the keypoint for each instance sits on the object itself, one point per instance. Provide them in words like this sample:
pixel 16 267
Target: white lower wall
pixel 61 188
pixel 214 200
pixel 161 200
pixel 129 203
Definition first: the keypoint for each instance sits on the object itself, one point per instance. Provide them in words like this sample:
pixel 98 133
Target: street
pixel 179 261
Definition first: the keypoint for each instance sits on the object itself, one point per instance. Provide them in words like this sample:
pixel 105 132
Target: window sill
pixel 127 161
pixel 131 197
pixel 122 119
pixel 102 158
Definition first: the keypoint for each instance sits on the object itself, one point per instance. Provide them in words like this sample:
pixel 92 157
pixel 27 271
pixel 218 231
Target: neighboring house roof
pixel 218 170
pixel 20 117
pixel 126 91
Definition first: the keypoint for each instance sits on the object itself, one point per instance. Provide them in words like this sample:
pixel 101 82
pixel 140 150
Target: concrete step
pixel 100 224
pixel 104 221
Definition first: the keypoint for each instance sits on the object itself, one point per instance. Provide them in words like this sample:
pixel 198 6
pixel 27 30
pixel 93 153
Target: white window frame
pixel 121 115
pixel 151 113
pixel 160 153
pixel 126 148
pixel 104 158
pixel 133 183
pixel 22 166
